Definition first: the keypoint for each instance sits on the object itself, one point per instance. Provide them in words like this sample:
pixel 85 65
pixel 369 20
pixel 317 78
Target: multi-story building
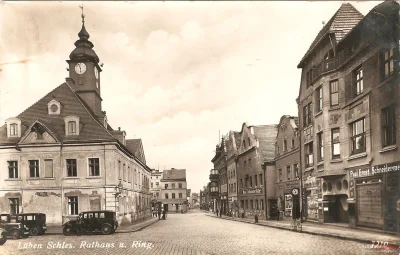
pixel 348 101
pixel 63 157
pixel 287 163
pixel 219 161
pixel 173 190
pixel 256 148
pixel 232 142
pixel 155 187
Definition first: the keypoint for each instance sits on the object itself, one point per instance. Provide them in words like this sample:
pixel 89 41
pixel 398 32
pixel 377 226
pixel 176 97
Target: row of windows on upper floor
pixel 290 175
pixel 284 146
pixel 126 174
pixel 357 138
pixel 173 196
pixel 248 182
pixel 387 68
pixel 71 170
pixel 173 186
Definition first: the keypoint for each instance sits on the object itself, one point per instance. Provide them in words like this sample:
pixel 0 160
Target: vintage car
pixel 34 222
pixel 14 229
pixel 92 221
pixel 3 236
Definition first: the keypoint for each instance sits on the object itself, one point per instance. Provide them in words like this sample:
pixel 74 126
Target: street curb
pixel 359 240
pixel 118 231
pixel 138 229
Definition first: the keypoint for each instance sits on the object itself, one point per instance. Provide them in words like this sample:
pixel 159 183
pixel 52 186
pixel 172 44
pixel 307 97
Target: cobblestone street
pixel 192 233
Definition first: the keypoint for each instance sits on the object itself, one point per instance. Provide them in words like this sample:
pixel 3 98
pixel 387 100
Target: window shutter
pixel 349 87
pixel 48 168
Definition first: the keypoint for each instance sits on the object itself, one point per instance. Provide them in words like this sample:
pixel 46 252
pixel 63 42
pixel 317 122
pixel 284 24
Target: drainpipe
pixel 62 183
pixel 300 163
pixel 105 179
pixel 264 167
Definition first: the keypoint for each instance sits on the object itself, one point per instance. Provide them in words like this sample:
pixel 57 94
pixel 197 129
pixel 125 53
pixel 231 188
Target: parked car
pixel 34 222
pixel 3 236
pixel 92 221
pixel 14 229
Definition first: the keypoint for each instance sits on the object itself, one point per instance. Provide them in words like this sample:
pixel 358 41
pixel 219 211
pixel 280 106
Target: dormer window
pixel 13 127
pixel 54 107
pixel 71 125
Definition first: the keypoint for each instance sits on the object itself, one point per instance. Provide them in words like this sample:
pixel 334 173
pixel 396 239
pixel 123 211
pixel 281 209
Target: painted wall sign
pixel 251 191
pixel 378 169
pixel 47 194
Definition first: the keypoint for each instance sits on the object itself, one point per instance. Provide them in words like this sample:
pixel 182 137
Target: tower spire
pixel 82 15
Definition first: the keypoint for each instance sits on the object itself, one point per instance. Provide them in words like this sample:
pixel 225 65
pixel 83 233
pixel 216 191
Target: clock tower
pixel 85 71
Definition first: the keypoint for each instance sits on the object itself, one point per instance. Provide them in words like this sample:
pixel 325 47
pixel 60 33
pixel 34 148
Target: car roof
pixel 98 211
pixel 31 214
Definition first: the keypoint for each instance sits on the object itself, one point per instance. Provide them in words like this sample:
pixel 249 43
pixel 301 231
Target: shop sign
pixel 252 191
pixel 374 170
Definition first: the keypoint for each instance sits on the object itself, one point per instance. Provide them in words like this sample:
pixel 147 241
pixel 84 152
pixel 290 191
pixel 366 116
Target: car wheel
pixel 67 230
pixel 106 229
pixel 3 239
pixel 34 231
pixel 15 234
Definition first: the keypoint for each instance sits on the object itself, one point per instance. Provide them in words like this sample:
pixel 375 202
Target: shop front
pixel 312 199
pixel 335 193
pixel 378 196
pixel 285 198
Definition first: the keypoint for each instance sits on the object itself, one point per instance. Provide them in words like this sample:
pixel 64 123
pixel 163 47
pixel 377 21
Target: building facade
pixel 219 162
pixel 232 142
pixel 155 187
pixel 287 164
pixel 257 146
pixel 63 157
pixel 174 190
pixel 348 101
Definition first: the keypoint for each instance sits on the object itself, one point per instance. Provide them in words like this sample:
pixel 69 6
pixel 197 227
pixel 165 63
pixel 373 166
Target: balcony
pixel 330 64
pixel 214 175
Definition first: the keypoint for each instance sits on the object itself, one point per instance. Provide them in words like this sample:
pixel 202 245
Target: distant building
pixel 256 158
pixel 287 163
pixel 155 186
pixel 219 179
pixel 174 190
pixel 232 143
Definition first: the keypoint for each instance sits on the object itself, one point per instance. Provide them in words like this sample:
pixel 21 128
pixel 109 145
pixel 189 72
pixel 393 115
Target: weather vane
pixel 83 15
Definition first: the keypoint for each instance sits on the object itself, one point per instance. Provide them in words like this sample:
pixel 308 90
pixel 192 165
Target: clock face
pixel 295 191
pixel 96 72
pixel 80 68
pixel 54 108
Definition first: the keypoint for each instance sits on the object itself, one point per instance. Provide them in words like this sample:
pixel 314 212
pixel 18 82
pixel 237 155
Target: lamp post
pixel 118 191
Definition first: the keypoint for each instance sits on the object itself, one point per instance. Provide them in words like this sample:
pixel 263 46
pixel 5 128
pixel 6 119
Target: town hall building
pixel 61 157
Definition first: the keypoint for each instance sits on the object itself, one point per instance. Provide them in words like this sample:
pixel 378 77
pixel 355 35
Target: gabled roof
pixel 136 148
pixel 345 18
pixel 91 130
pixel 266 136
pixel 174 174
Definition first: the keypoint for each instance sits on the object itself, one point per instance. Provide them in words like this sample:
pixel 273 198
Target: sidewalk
pixel 357 235
pixel 53 229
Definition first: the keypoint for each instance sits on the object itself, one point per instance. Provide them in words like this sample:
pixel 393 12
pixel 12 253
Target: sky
pixel 178 75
